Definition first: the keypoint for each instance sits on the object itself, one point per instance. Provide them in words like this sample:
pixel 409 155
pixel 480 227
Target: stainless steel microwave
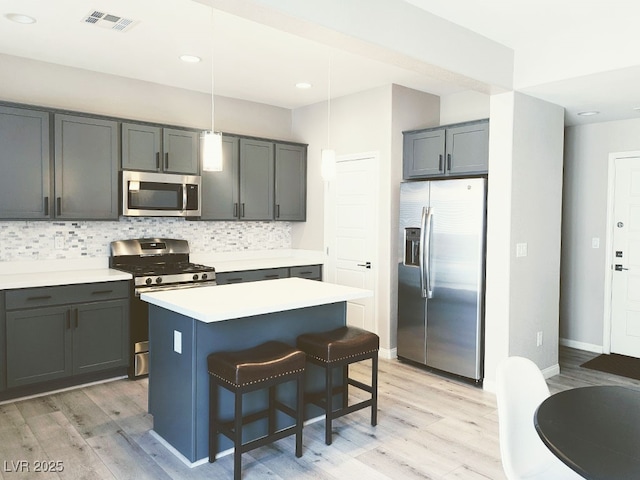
pixel 148 194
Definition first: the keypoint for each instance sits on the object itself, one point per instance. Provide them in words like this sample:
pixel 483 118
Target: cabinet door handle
pixel 235 209
pixel 46 206
pixel 274 275
pixel 278 211
pixel 448 161
pixel 59 206
pixel 242 211
pixel 101 292
pixel 166 160
pixel 440 163
pixel 157 160
pixel 41 297
pixel 306 273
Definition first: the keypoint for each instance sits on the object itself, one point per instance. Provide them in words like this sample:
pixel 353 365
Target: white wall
pixel 587 150
pixel 463 107
pixel 56 86
pixel 524 206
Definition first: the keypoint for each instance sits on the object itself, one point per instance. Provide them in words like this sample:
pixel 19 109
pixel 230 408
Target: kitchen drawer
pixel 251 275
pixel 65 294
pixel 313 272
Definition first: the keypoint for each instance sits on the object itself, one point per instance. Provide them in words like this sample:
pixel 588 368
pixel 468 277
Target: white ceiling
pixel 581 54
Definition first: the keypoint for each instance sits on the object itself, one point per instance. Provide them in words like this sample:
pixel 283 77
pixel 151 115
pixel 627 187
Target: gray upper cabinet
pixel 221 190
pixel 25 185
pixel 468 149
pixel 291 183
pixel 260 180
pixel 86 168
pixel 256 179
pixel 180 151
pixel 423 153
pixel 155 149
pixel 455 150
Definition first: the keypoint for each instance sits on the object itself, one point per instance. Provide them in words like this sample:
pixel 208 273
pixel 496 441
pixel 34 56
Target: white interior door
pixel 350 233
pixel 625 286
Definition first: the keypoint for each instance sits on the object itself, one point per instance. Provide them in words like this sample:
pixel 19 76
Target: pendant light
pixel 328 155
pixel 211 142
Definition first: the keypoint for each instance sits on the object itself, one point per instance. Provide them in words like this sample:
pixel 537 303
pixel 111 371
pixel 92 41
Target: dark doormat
pixel 617 364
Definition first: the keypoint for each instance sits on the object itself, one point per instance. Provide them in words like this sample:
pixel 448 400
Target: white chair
pixel 520 389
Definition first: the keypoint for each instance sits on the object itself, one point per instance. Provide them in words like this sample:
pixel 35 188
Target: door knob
pixel 365 265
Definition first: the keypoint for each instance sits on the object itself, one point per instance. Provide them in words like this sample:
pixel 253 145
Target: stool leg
pixel 213 420
pixel 329 404
pixel 272 410
pixel 374 389
pixel 345 386
pixel 300 414
pixel 237 441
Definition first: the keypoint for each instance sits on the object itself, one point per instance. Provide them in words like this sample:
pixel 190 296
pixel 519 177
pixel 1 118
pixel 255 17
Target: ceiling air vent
pixel 109 21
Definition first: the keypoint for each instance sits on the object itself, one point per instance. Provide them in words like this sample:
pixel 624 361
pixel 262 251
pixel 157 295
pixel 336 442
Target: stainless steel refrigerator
pixel 441 273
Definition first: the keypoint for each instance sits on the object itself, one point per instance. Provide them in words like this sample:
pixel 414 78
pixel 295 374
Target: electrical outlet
pixel 177 341
pixel 539 339
pixel 58 241
pixel 595 242
pixel 521 249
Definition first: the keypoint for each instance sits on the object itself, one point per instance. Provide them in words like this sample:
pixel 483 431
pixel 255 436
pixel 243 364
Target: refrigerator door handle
pixel 425 257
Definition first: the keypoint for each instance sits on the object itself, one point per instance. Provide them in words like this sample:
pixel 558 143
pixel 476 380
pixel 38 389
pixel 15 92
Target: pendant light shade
pixel 211 147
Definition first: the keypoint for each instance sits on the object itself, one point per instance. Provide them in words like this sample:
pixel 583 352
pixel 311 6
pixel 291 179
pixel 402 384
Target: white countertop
pixel 225 302
pixel 57 272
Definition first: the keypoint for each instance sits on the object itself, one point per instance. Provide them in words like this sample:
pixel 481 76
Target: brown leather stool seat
pixel 264 366
pixel 340 348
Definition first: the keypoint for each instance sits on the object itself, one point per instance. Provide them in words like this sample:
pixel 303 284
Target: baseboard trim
pixel 388 353
pixel 589 347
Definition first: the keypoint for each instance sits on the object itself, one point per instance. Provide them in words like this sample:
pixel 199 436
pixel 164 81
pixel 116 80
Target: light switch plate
pixel 521 249
pixel 177 341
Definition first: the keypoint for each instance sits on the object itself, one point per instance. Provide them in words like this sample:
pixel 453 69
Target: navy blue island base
pixel 178 377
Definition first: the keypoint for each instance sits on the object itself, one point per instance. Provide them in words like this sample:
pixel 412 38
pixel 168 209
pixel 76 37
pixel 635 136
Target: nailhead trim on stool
pixel 340 348
pixel 264 366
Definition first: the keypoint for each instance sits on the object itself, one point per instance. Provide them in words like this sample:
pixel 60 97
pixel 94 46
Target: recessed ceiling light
pixel 303 85
pixel 190 58
pixel 20 18
pixel 588 113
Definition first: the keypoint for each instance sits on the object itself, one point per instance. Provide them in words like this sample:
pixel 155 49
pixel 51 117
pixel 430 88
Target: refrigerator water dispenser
pixel 412 247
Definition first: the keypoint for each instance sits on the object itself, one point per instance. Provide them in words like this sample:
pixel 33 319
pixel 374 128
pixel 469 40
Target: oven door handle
pixel 156 288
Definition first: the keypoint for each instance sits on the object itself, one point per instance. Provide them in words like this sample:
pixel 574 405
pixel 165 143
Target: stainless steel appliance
pixel 148 194
pixel 156 264
pixel 441 273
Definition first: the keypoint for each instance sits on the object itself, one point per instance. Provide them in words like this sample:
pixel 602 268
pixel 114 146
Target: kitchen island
pixel 186 325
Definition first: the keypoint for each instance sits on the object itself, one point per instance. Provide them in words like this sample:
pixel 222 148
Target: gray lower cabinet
pixel 156 149
pixel 58 332
pixel 86 168
pixel 454 150
pixel 313 272
pixel 260 180
pixel 25 184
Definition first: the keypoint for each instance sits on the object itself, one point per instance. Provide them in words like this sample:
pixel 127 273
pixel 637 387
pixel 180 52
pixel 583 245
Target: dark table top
pixel 594 430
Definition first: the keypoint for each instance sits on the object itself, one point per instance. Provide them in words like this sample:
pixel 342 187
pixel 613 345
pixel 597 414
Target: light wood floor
pixel 429 427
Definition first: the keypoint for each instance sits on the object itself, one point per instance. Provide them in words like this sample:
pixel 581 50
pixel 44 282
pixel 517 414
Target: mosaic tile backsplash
pixel 29 240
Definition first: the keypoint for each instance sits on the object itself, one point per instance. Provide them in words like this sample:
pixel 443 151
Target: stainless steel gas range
pixel 156 264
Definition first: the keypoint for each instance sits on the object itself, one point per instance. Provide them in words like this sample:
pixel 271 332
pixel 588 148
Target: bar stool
pixel 340 348
pixel 264 366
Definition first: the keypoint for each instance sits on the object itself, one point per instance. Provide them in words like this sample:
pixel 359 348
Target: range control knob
pixel 195 276
pixel 204 276
pixel 159 280
pixel 148 281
